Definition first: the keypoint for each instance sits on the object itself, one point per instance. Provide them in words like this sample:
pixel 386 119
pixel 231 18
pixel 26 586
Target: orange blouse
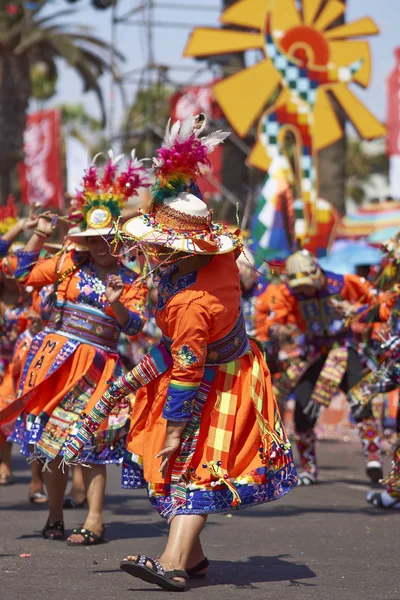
pixel 315 315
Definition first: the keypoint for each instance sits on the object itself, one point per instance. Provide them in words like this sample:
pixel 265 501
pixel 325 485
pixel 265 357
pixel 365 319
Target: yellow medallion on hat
pixel 99 217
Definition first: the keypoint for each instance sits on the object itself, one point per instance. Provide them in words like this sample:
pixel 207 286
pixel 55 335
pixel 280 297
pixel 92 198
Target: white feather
pixel 96 157
pixel 117 159
pixel 186 128
pixel 214 139
pixel 200 129
pixel 166 135
pixel 174 133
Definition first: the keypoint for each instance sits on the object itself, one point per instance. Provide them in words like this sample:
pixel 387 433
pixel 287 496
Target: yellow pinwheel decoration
pixel 304 59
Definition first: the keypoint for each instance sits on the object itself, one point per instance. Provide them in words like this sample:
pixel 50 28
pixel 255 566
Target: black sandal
pixel 194 572
pixel 89 537
pixel 55 526
pixel 156 575
pixel 69 502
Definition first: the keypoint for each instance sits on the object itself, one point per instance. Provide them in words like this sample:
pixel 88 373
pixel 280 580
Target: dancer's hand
pixel 114 289
pixel 32 220
pixel 343 307
pixel 171 445
pixel 47 222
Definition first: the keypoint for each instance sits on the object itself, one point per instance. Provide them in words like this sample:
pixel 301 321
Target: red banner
pixel 393 109
pixel 191 101
pixel 41 173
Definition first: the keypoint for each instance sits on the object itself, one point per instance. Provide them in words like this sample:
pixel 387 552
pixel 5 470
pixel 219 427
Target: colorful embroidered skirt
pixel 235 452
pixel 61 379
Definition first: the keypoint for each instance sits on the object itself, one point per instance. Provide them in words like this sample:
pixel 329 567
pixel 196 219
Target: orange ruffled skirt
pixel 61 379
pixel 236 455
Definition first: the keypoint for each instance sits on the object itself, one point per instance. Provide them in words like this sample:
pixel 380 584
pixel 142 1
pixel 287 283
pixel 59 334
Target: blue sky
pixel 169 44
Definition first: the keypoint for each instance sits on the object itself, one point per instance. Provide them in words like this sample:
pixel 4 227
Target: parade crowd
pixel 157 344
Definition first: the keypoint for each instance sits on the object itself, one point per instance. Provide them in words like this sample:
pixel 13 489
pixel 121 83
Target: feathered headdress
pixel 103 195
pixel 183 157
pixel 178 218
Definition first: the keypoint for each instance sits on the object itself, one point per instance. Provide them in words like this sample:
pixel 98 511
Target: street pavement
pixel 318 543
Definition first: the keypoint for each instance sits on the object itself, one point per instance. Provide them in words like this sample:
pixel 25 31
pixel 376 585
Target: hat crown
pixel 300 262
pixel 188 204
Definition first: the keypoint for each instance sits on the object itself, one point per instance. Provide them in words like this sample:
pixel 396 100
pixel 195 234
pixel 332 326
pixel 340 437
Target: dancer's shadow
pixel 258 569
pixel 297 511
pixel 119 530
pixel 247 574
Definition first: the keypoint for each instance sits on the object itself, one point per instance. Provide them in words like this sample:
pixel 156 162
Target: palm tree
pixel 26 40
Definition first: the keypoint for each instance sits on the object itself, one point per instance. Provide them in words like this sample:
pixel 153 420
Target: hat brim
pixel 140 229
pixel 79 238
pixel 293 283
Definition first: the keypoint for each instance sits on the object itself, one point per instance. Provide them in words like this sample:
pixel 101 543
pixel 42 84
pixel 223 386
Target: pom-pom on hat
pixel 97 206
pixel 179 219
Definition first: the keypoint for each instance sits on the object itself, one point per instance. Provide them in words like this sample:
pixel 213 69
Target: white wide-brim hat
pixel 76 236
pixel 183 224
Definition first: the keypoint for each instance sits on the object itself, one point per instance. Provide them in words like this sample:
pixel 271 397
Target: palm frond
pixel 91 83
pixel 56 15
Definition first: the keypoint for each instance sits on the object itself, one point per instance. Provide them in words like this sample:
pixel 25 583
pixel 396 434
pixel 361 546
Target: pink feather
pixel 109 173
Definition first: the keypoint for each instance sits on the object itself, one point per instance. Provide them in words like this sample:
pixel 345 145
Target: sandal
pixel 6 479
pixel 37 498
pixel 89 537
pixel 307 479
pixel 56 526
pixel 71 503
pixel 195 572
pixel 156 575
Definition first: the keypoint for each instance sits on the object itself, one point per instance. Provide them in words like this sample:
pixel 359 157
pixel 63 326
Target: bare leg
pixel 56 482
pixel 37 484
pixel 95 484
pixel 5 465
pixel 77 491
pixel 183 540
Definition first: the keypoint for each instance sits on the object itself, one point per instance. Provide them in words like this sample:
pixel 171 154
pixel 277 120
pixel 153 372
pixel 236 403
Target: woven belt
pixel 84 325
pixel 230 347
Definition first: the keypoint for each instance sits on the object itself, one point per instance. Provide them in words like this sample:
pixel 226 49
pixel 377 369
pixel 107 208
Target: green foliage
pixel 145 120
pixel 44 84
pixel 24 33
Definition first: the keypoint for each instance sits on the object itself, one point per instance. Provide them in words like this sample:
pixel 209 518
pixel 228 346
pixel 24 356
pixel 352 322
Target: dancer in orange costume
pixel 206 435
pixel 13 322
pixel 316 302
pixel 71 362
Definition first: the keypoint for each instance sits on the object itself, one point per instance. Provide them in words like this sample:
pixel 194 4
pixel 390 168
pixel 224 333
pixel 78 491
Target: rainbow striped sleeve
pixel 180 398
pixel 4 246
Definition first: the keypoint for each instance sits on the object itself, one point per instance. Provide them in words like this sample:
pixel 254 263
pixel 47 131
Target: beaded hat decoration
pixel 97 206
pixel 179 219
pixel 302 269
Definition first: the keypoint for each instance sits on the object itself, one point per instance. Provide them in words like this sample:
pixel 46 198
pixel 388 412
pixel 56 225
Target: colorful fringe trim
pixel 370 439
pixel 153 364
pixel 392 481
pixel 306 446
